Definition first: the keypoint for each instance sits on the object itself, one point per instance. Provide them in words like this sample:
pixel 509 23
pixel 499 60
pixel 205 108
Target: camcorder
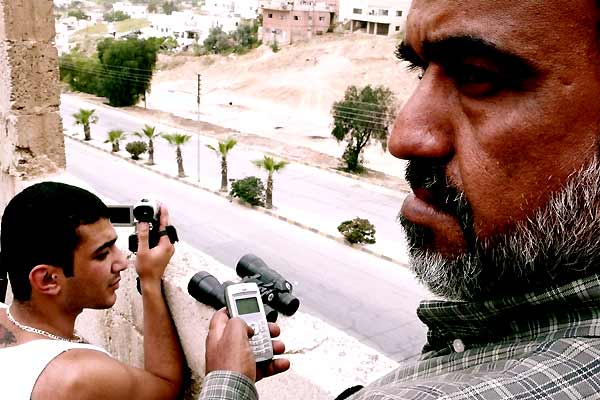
pixel 275 290
pixel 145 210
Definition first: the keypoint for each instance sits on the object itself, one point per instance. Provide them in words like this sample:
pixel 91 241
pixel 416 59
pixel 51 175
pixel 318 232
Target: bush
pixel 358 231
pixel 250 190
pixel 115 16
pixel 136 148
pixel 275 46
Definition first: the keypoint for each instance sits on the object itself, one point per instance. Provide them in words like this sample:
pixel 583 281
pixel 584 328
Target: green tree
pixel 85 118
pixel 223 150
pixel 115 16
pixel 150 133
pixel 362 116
pixel 81 73
pixel 136 149
pixel 272 166
pixel 153 6
pixel 127 67
pixel 77 13
pixel 169 44
pixel 114 137
pixel 168 7
pixel 217 41
pixel 178 140
pixel 246 36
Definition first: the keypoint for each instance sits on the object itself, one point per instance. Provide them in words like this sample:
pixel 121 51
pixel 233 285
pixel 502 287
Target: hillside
pixel 310 75
pixel 286 95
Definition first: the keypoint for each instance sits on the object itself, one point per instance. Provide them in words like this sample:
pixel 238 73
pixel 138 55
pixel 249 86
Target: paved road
pixel 303 193
pixel 367 297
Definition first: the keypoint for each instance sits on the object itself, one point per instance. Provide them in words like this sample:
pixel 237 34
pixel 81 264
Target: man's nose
pixel 120 263
pixel 425 126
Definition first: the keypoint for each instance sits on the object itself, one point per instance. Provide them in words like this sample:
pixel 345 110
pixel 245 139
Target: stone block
pixel 27 20
pixel 34 77
pixel 34 144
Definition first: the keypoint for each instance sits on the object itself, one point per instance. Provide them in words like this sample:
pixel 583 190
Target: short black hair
pixel 39 226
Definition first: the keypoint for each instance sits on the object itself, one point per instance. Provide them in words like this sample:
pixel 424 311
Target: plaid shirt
pixel 227 385
pixel 538 346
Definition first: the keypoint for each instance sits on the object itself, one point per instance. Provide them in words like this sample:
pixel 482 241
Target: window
pixel 399 13
pixel 397 29
pixel 383 12
pixel 296 18
pixel 321 18
pixel 310 17
pixel 357 10
pixel 270 15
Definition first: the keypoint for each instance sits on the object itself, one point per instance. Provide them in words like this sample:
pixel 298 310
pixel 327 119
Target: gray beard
pixel 559 243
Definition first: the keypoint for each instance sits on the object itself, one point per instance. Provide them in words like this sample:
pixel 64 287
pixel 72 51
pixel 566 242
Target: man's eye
pixel 476 81
pixel 101 256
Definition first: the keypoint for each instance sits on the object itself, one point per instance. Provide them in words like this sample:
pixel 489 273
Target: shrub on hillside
pixel 358 231
pixel 136 149
pixel 250 190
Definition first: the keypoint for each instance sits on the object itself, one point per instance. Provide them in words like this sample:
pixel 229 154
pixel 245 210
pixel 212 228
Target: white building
pixel 133 10
pixel 378 17
pixel 245 9
pixel 186 27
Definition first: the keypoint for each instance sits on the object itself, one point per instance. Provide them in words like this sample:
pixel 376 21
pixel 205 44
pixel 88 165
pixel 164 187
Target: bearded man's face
pixel 502 136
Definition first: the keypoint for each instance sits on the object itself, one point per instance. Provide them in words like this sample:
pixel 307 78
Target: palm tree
pixel 177 140
pixel 223 150
pixel 271 166
pixel 114 138
pixel 85 117
pixel 150 133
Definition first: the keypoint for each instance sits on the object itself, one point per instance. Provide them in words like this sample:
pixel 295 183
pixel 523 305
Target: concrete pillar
pixel 31 139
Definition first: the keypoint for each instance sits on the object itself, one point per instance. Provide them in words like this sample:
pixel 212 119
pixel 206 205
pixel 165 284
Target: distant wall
pixel 31 139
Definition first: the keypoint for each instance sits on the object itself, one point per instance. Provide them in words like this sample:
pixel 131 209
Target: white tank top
pixel 21 366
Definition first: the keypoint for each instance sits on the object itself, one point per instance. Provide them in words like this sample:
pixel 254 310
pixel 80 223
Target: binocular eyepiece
pixel 274 289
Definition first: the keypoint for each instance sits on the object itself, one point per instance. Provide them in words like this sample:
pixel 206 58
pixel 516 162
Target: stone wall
pixel 31 139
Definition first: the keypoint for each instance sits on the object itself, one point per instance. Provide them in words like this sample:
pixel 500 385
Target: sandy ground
pixel 283 100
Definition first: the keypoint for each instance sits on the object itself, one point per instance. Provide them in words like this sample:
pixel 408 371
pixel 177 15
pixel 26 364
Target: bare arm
pixel 163 356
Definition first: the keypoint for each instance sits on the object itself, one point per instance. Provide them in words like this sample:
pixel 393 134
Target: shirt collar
pixel 561 311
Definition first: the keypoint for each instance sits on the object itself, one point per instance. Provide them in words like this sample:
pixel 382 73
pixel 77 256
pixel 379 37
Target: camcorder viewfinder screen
pixel 247 306
pixel 120 215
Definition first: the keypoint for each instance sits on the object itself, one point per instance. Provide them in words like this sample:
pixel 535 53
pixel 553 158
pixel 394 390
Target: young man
pixel 503 138
pixel 58 247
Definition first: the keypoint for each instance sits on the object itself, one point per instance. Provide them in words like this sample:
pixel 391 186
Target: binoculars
pixel 275 291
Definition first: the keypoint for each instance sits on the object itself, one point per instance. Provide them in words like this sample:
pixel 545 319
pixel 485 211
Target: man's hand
pixel 151 263
pixel 228 348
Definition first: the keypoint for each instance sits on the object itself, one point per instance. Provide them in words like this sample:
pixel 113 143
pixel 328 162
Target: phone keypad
pixel 261 341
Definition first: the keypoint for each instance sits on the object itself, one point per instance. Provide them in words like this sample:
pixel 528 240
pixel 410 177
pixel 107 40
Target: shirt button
pixel 458 345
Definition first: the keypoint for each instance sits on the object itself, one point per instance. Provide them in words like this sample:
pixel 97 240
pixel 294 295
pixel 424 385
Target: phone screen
pixel 247 306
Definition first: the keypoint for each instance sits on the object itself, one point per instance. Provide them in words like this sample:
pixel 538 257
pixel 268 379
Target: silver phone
pixel 244 301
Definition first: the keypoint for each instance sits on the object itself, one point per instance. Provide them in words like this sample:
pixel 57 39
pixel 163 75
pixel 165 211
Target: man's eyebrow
pixel 106 245
pixel 457 48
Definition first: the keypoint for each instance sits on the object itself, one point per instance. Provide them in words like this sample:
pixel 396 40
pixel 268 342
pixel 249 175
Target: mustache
pixel 441 193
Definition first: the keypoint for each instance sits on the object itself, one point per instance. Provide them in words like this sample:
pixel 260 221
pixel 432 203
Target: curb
pixel 240 202
pixel 405 189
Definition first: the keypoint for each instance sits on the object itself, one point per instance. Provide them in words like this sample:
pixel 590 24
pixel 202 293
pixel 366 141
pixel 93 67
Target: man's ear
pixel 46 279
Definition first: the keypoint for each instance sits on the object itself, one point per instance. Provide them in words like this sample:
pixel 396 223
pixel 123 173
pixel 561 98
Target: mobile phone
pixel 243 300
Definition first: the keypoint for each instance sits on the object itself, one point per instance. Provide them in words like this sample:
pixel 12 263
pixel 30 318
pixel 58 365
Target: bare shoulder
pixel 89 374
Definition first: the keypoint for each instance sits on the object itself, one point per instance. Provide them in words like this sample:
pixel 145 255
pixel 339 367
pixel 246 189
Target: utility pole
pixel 197 134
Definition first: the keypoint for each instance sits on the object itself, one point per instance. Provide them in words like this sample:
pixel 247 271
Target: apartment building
pixel 286 22
pixel 133 10
pixel 377 17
